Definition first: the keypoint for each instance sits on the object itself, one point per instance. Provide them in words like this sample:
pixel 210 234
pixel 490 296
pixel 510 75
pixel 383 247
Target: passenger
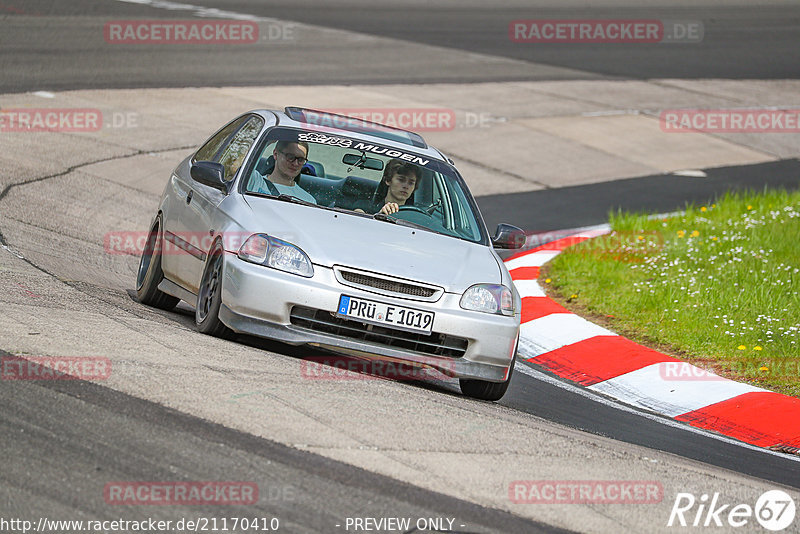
pixel 396 188
pixel 290 156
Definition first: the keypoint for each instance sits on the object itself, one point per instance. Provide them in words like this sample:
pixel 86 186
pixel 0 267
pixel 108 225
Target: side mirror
pixel 210 173
pixel 508 236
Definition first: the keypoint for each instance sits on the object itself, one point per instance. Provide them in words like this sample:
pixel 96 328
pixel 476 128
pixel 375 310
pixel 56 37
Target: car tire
pixel 484 390
pixel 209 296
pixel 150 274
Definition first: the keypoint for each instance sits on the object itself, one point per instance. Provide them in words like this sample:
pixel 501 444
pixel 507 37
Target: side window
pixel 211 148
pixel 233 155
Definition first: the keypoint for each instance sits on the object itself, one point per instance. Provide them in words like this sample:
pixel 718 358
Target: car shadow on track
pixel 317 364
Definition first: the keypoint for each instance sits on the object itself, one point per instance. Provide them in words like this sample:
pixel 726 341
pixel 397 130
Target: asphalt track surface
pixel 587 205
pixel 108 436
pixel 60 47
pixel 50 421
pixel 732 49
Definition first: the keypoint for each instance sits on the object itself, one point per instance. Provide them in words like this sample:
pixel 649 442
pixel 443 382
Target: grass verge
pixel 717 285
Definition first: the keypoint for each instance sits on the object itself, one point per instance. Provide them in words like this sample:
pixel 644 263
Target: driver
pixel 396 188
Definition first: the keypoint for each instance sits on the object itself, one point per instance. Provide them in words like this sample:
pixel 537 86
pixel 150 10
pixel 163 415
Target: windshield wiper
pixel 402 222
pixel 383 217
pixel 284 197
pixel 289 198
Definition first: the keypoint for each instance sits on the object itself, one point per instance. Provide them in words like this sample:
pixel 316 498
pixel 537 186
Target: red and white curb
pixel 575 349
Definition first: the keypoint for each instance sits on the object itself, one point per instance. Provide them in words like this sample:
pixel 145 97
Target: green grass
pixel 717 285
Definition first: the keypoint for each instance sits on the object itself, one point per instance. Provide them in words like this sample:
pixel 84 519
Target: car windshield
pixel 361 177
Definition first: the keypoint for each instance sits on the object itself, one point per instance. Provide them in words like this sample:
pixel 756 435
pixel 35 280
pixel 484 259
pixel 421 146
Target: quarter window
pixel 211 149
pixel 233 154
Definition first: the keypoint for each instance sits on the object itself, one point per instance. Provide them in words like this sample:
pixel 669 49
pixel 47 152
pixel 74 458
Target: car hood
pixel 334 238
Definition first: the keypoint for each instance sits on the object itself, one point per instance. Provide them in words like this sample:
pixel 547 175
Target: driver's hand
pixel 389 208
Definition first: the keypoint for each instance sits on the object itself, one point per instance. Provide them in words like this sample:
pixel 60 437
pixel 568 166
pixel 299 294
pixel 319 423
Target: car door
pixel 188 228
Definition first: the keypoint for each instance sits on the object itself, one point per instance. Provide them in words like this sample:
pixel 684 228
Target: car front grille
pixel 430 344
pixel 386 285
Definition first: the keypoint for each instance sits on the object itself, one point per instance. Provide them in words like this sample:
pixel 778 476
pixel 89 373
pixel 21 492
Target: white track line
pixel 583 392
pixel 199 11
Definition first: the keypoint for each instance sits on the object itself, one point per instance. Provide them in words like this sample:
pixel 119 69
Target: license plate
pixel 370 311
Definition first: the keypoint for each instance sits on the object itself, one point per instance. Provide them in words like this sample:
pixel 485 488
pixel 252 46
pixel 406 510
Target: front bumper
pixel 258 300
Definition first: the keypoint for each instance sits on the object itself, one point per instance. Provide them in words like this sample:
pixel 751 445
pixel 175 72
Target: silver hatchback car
pixel 307 227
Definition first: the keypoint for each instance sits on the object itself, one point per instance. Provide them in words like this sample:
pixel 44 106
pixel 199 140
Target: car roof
pixel 356 128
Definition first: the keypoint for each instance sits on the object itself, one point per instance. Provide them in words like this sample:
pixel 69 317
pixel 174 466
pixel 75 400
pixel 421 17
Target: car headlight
pixel 488 298
pixel 276 253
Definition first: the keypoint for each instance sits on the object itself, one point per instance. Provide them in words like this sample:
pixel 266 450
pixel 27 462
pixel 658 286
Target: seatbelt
pixel 272 189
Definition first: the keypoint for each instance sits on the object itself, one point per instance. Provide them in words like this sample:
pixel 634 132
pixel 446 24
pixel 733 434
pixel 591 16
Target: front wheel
pixel 484 390
pixel 150 274
pixel 209 298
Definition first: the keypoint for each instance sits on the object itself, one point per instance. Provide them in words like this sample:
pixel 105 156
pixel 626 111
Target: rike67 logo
pixel 774 510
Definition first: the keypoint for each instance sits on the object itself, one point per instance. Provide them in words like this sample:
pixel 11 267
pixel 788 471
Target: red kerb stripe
pixel 524 273
pixel 536 307
pixel 760 418
pixel 599 358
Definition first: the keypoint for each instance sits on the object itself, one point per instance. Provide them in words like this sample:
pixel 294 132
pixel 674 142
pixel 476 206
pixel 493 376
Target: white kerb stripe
pixel 656 388
pixel 534 259
pixel 554 331
pixel 529 288
pixel 593 233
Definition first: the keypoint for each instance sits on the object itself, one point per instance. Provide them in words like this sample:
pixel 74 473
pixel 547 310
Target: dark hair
pixel 281 145
pixel 394 166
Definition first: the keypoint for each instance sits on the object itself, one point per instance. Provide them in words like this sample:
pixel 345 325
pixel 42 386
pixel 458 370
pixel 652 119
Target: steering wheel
pixel 414 208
